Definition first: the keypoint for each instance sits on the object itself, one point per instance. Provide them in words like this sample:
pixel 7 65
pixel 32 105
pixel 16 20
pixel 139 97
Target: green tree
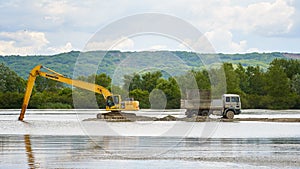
pixel 146 81
pixel 296 89
pixel 256 81
pixel 232 79
pixel 278 88
pixel 11 100
pixel 218 82
pixel 10 81
pixel 118 90
pixel 142 96
pixel 158 99
pixel 37 100
pixel 296 84
pixel 187 81
pixel 52 100
pixel 132 82
pixel 66 96
pixel 244 80
pixel 202 79
pixel 277 82
pixel 290 67
pixel 86 99
pixel 244 84
pixel 44 84
pixel 100 79
pixel 172 92
pixel 149 80
pixel 103 80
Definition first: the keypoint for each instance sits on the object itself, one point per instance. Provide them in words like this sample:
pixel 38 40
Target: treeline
pixel 64 62
pixel 277 87
pixel 46 93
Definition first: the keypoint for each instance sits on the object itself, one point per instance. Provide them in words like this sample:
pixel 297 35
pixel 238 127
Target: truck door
pixel 235 101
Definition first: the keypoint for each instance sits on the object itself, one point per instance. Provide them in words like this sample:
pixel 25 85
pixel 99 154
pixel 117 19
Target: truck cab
pixel 231 105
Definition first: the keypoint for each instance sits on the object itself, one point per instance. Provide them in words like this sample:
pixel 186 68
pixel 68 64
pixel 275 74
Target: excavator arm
pixel 36 71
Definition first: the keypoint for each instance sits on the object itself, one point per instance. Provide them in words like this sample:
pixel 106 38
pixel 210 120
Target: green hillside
pixel 64 63
pixel 274 84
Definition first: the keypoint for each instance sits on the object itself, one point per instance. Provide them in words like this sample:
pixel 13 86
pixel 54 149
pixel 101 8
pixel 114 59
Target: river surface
pixel 63 139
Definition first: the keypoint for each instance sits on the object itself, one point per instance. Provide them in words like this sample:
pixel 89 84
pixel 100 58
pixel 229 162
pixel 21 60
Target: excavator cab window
pixel 110 101
pixel 116 99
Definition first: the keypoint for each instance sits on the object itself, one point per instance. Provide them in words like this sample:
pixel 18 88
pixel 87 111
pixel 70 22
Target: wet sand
pixel 193 119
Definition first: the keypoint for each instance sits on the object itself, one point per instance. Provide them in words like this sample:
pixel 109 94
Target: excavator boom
pixel 30 83
pixel 36 71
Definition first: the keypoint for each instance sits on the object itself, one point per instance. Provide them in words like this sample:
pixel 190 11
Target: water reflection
pixel 113 143
pixel 39 151
pixel 135 147
pixel 29 152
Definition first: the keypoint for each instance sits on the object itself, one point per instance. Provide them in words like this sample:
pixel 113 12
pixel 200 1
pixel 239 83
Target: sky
pixel 49 27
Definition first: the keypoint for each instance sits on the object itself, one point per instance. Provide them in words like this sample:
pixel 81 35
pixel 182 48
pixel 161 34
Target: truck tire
pixel 229 114
pixel 99 116
pixel 189 114
pixel 204 113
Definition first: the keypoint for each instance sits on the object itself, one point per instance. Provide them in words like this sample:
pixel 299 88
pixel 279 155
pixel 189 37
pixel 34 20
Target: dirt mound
pixel 167 118
pixel 132 118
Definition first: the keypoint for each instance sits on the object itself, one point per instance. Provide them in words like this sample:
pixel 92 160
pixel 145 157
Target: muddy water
pixel 59 139
pixel 38 151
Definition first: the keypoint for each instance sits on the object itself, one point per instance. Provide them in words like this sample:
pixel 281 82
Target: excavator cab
pixel 117 99
pixel 113 102
pixel 109 102
pixel 115 105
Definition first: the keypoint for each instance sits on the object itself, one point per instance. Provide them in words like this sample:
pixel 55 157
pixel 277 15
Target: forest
pixel 277 87
pixel 64 62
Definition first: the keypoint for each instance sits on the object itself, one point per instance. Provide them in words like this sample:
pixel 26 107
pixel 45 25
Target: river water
pixel 62 139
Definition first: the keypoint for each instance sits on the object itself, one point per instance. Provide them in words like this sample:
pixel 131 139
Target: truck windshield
pixel 235 99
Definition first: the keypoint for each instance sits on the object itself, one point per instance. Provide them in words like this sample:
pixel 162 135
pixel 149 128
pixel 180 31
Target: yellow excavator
pixel 114 103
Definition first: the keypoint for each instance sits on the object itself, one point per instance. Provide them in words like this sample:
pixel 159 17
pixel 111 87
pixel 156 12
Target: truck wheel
pixel 229 114
pixel 99 116
pixel 189 113
pixel 204 113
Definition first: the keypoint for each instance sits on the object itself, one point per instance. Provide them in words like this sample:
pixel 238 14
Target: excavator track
pixel 117 116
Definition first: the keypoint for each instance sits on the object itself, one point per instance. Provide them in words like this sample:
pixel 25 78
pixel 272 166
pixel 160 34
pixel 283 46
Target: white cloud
pixel 252 50
pixel 79 15
pixel 22 42
pixel 252 18
pixel 158 47
pixel 266 18
pixel 29 43
pixel 122 44
pixel 200 45
pixel 68 47
pixel 258 18
pixel 222 40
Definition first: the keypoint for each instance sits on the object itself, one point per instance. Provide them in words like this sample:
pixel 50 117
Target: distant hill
pixel 64 63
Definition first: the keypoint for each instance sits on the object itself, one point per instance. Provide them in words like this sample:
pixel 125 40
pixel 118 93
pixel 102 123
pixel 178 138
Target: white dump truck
pixel 200 103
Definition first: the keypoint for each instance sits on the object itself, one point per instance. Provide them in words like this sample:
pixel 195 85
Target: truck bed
pixel 201 104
